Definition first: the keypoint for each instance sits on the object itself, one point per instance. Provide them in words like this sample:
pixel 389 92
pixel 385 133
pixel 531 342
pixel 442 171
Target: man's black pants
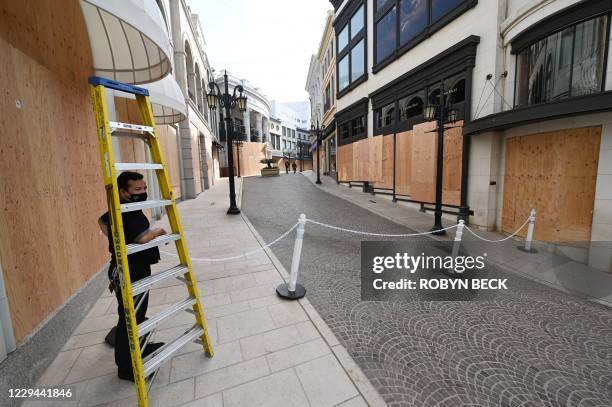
pixel 122 343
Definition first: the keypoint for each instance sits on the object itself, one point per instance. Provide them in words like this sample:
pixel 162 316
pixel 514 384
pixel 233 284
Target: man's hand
pixel 150 235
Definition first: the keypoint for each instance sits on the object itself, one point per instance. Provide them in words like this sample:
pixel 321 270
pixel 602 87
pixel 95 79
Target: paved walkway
pixel 535 346
pixel 545 267
pixel 268 352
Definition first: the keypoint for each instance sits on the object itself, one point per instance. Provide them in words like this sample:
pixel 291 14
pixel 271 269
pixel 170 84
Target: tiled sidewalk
pixel 268 352
pixel 545 267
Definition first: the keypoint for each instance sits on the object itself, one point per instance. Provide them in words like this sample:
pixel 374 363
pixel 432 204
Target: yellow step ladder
pixel 144 367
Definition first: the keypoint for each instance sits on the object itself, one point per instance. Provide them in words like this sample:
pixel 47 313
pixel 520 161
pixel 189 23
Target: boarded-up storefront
pixel 414 162
pixel 555 173
pixel 251 154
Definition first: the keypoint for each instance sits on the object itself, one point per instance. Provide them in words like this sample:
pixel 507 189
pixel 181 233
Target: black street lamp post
pixel 300 146
pixel 441 114
pixel 227 101
pixel 318 132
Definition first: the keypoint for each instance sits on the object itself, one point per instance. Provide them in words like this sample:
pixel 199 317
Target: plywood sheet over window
pixel 51 189
pixel 423 166
pixel 250 155
pixel 372 160
pixel 386 179
pixel 345 163
pixel 403 167
pixel 554 172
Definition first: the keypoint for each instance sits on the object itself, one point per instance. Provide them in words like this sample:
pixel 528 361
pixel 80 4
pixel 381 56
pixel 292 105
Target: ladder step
pixel 151 323
pixel 154 361
pixel 158 241
pixel 131 127
pixel 144 205
pixel 143 285
pixel 137 166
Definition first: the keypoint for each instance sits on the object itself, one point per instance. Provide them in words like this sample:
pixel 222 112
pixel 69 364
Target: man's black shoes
pixel 128 374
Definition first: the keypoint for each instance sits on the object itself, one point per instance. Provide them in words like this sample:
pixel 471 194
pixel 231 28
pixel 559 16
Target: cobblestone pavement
pixel 537 348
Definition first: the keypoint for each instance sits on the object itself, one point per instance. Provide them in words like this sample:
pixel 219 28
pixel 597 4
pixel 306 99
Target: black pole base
pixel 438 231
pixel 318 182
pixel 283 291
pixel 522 248
pixel 233 210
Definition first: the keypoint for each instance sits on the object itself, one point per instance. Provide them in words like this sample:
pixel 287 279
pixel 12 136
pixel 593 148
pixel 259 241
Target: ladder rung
pixel 158 241
pixel 151 323
pixel 144 205
pixel 129 126
pixel 137 166
pixel 143 285
pixel 153 362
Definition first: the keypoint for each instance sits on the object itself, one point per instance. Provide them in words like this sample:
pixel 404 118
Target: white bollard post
pixel 530 227
pixel 457 241
pixel 458 235
pixel 293 290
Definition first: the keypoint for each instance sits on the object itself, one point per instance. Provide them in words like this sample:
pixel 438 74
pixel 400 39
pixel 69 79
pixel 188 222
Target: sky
pixel 267 42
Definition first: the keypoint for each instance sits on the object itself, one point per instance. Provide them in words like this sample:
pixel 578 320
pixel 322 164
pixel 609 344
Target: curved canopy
pixel 167 100
pixel 129 40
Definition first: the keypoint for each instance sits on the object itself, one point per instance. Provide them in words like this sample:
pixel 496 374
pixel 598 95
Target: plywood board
pixel 51 189
pixel 554 172
pixel 403 155
pixel 386 176
pixel 453 153
pixel 344 157
pixel 250 155
pixel 375 155
pixel 423 165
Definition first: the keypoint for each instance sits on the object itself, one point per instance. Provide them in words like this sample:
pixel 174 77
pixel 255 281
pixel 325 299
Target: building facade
pixel 528 83
pixel 251 127
pixel 157 45
pixel 321 88
pixel 192 69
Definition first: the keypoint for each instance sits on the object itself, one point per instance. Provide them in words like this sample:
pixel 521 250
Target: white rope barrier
pixel 359 232
pixel 500 240
pixel 302 221
pixel 281 237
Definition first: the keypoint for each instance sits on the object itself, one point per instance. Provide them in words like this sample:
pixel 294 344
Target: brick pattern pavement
pixel 540 347
pixel 268 352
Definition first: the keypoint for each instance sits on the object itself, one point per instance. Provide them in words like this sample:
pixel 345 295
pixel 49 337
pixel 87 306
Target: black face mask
pixel 138 197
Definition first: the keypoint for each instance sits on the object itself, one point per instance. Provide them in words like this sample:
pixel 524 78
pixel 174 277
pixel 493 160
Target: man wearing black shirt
pixel 132 188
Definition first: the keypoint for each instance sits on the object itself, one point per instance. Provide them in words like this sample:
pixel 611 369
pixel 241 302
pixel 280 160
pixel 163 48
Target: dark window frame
pixel 355 111
pixel 431 28
pixel 557 23
pixel 344 21
pixel 451 65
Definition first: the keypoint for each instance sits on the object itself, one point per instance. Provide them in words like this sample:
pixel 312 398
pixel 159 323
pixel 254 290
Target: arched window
pixel 458 95
pixel 198 88
pixel 410 107
pixel 204 108
pixel 190 72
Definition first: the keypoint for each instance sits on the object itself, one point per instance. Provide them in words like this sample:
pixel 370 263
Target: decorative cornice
pixel 448 62
pixel 595 103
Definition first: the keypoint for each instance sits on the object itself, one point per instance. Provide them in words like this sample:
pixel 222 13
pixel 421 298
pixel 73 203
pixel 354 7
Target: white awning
pixel 167 100
pixel 129 40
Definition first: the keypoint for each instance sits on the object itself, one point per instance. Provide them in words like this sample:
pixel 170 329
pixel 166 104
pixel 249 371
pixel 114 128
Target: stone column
pixel 184 130
pixel 265 137
pixel 259 125
pixel 247 123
